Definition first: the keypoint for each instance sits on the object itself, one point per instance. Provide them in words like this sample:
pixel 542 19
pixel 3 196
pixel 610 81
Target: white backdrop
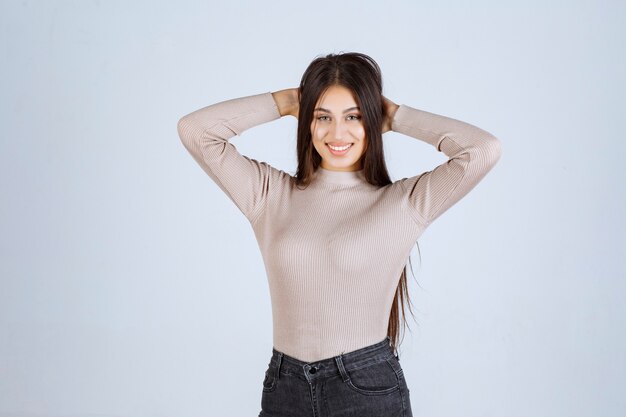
pixel 131 285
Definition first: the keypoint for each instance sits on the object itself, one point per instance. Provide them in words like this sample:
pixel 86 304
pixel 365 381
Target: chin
pixel 342 166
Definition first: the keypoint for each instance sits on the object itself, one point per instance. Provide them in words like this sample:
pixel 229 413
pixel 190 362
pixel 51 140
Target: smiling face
pixel 337 130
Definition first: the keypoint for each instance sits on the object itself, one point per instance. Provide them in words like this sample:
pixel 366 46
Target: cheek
pixel 318 131
pixel 359 132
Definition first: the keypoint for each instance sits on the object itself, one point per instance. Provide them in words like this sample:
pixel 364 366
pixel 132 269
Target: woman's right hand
pixel 287 101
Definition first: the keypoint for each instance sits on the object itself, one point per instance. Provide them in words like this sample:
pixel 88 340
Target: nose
pixel 340 130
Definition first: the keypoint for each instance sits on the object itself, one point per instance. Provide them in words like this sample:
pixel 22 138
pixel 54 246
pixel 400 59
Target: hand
pixel 390 111
pixel 287 101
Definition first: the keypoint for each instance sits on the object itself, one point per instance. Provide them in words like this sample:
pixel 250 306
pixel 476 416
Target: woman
pixel 336 236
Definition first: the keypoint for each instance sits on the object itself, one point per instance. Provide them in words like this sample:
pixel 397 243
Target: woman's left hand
pixel 390 111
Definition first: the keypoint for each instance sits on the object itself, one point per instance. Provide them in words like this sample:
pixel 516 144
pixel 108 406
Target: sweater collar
pixel 340 177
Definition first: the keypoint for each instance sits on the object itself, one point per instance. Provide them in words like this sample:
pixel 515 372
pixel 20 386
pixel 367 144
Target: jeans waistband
pixel 332 366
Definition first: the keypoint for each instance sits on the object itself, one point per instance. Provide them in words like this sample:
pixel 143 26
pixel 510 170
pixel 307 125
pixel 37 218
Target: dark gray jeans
pixel 365 382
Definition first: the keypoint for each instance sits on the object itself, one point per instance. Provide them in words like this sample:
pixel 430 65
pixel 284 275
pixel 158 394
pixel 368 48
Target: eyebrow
pixel 345 111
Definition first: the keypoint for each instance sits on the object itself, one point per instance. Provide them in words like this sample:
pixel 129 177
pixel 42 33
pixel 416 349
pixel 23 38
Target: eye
pixel 321 117
pixel 355 117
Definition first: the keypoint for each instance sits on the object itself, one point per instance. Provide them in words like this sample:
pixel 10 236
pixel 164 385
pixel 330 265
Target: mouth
pixel 339 150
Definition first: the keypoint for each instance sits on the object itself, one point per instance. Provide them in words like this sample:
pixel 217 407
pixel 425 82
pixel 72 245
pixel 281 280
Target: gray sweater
pixel 334 252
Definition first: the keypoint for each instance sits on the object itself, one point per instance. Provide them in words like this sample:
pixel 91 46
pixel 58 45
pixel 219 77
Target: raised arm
pixel 472 153
pixel 205 134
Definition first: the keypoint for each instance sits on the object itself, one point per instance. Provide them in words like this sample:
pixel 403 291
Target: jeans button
pixel 313 370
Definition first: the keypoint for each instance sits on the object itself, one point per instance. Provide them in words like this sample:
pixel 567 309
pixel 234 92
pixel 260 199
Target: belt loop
pixel 280 361
pixel 342 370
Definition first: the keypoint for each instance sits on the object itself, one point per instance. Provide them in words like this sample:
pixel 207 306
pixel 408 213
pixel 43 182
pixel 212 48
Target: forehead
pixel 336 98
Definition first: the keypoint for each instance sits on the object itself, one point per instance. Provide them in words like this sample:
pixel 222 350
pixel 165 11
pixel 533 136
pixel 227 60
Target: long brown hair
pixel 360 74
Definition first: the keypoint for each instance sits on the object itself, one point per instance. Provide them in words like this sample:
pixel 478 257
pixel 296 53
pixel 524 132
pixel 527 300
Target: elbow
pixel 492 150
pixel 184 130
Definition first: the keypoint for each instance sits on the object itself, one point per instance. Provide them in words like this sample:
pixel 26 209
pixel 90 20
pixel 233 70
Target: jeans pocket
pixel 269 381
pixel 379 378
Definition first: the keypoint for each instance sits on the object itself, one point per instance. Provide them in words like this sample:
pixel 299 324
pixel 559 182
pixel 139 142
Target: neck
pixel 340 177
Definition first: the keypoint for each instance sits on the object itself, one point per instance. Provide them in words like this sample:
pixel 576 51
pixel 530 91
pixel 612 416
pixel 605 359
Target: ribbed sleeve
pixel 205 134
pixel 472 152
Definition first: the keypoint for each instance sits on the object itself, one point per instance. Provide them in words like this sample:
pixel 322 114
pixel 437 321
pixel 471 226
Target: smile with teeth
pixel 339 149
